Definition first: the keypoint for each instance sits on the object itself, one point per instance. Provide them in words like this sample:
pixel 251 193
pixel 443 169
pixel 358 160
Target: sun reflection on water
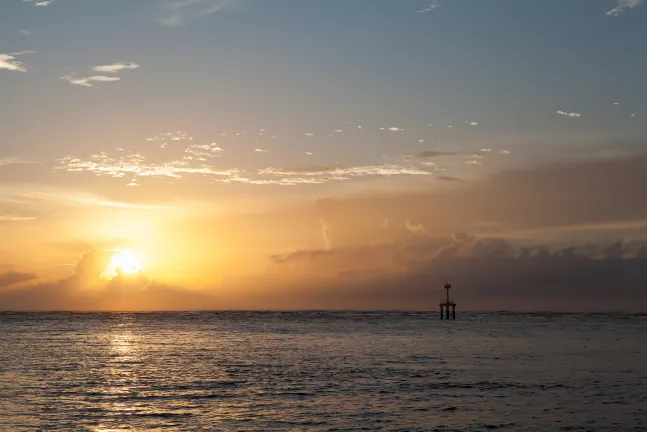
pixel 122 342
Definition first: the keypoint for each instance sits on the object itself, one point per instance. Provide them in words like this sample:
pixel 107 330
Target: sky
pixel 323 154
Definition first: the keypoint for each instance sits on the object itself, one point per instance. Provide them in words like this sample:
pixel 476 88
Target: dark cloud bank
pixel 409 274
pixel 487 273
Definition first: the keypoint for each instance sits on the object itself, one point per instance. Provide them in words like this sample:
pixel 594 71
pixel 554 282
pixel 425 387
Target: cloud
pixel 402 272
pixel 429 154
pixel 196 161
pixel 11 278
pixel 89 81
pixel 14 160
pixel 25 32
pixel 434 5
pixel 319 174
pixel 203 152
pixel 26 194
pixel 167 138
pixel 313 169
pixel 411 242
pixel 325 173
pixel 324 234
pixel 449 178
pixel 116 67
pixel 569 114
pixel 84 285
pixel 44 3
pixel 193 161
pixel 134 165
pixel 622 5
pixel 526 202
pixel 9 62
pixel 178 12
pixel 16 218
pixel 395 129
pixel 407 270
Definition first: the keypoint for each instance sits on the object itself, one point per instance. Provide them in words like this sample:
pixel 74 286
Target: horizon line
pixel 430 311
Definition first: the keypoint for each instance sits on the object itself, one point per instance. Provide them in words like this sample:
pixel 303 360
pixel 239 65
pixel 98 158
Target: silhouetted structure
pixel 445 305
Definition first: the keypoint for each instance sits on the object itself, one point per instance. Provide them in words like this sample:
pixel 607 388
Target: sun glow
pixel 123 261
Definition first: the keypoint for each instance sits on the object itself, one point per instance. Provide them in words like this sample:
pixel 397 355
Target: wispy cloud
pixel 113 68
pixel 20 194
pixel 180 159
pixel 622 5
pixel 569 114
pixel 9 62
pixel 313 169
pixel 177 12
pixel 25 32
pixel 449 178
pixel 325 173
pixel 432 6
pixel 134 165
pixel 429 154
pixel 89 81
pixel 13 160
pixel 15 218
pixel 202 152
pixel 44 3
pixel 167 138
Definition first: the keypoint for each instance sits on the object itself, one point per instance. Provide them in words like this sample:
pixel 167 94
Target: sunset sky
pixel 323 154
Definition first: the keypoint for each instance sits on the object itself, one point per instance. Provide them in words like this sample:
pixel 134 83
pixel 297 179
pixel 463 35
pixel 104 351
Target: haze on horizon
pixel 250 154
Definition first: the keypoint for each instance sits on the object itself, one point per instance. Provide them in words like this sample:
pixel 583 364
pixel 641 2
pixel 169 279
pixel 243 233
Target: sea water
pixel 322 371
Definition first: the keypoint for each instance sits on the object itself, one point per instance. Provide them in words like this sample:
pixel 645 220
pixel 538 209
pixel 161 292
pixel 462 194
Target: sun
pixel 123 261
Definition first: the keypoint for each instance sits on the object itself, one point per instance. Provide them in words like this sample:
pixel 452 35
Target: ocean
pixel 322 371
